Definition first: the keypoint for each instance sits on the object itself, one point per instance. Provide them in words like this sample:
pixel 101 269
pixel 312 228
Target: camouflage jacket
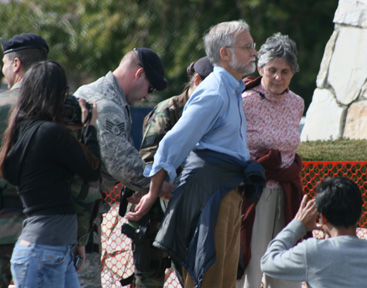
pixel 121 161
pixel 87 199
pixel 11 216
pixel 159 121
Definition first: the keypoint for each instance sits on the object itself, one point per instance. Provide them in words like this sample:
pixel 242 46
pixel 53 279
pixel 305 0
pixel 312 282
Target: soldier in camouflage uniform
pixel 156 124
pixel 20 52
pixel 139 73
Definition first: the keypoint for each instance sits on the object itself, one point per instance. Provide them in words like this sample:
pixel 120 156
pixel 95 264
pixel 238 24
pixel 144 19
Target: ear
pixel 197 79
pixel 139 72
pixel 323 219
pixel 225 54
pixel 17 65
pixel 260 70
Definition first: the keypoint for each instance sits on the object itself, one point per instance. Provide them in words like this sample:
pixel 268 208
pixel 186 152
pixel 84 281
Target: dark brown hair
pixel 41 97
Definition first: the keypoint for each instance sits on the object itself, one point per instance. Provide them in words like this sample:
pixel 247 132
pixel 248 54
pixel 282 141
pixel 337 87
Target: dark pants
pixel 5 254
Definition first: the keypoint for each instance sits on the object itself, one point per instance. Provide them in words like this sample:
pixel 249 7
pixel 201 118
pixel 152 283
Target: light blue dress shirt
pixel 213 119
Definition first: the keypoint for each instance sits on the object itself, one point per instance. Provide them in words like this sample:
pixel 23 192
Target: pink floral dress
pixel 273 123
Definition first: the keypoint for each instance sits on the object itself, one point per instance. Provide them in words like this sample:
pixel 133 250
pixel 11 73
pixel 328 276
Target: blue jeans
pixel 34 266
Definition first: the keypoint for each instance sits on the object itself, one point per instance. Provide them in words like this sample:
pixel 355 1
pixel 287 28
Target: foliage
pixel 89 37
pixel 337 150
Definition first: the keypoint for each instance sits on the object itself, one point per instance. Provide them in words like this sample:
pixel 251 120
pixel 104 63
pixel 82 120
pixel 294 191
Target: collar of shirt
pixel 121 99
pixel 230 80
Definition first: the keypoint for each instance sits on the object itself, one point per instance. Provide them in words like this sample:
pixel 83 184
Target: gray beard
pixel 244 69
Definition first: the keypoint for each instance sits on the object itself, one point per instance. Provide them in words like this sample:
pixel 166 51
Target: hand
pixel 85 112
pixel 146 202
pixel 166 190
pixel 135 198
pixel 307 213
pixel 80 250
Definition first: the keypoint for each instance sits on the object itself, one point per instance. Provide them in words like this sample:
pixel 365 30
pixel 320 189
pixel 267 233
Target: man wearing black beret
pixel 139 73
pixel 20 53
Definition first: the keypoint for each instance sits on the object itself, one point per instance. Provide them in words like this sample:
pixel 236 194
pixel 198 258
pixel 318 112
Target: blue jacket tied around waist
pixel 187 230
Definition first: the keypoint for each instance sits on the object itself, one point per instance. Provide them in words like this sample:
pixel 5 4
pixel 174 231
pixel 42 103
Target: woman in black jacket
pixel 40 156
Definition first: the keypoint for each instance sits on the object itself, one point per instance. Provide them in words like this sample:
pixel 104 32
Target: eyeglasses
pixel 151 89
pixel 250 47
pixel 272 72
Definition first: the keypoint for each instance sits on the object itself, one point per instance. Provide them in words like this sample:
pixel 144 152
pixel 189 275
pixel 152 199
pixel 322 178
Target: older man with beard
pixel 201 228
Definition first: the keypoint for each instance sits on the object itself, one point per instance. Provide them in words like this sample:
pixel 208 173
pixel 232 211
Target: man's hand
pixel 80 251
pixel 307 213
pixel 145 203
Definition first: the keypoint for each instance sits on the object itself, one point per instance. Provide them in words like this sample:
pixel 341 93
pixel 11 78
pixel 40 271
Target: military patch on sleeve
pixel 114 128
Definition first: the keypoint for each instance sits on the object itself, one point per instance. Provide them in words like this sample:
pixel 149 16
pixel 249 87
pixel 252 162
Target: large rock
pixel 339 107
pixel 356 121
pixel 324 118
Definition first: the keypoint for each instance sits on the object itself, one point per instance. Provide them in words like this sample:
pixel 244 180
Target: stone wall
pixel 339 103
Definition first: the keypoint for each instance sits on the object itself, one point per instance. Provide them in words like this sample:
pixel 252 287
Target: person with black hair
pixel 40 156
pixel 337 261
pixel 19 53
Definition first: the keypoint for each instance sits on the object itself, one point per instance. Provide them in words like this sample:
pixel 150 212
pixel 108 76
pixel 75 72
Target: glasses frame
pixel 250 47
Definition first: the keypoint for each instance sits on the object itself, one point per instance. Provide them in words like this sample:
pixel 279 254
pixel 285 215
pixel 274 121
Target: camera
pixel 72 113
pixel 137 234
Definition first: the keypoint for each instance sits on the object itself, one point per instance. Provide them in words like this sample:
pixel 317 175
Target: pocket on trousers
pixel 54 264
pixel 53 258
pixel 19 271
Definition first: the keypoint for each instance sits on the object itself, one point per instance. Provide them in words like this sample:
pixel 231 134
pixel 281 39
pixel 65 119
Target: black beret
pixel 153 67
pixel 24 41
pixel 203 67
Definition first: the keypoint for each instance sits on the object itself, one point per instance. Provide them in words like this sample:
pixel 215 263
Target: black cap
pixel 24 41
pixel 203 67
pixel 153 67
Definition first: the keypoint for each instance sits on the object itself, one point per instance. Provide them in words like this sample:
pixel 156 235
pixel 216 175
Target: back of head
pixel 340 201
pixel 203 67
pixel 278 46
pixel 222 35
pixel 42 93
pixel 28 47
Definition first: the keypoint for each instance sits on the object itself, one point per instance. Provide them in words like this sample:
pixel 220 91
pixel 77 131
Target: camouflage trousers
pixel 150 262
pixel 156 278
pixel 5 274
pixel 153 278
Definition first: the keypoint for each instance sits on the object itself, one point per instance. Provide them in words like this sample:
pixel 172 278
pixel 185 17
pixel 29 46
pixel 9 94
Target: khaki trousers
pixel 223 273
pixel 269 221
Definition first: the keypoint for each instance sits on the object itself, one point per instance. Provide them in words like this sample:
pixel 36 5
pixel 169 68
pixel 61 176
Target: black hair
pixel 41 97
pixel 340 201
pixel 28 57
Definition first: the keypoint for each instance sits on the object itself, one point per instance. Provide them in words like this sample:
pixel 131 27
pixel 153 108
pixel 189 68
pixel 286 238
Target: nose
pixel 278 75
pixel 254 53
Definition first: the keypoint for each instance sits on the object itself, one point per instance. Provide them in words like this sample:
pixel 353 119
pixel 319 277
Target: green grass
pixel 337 150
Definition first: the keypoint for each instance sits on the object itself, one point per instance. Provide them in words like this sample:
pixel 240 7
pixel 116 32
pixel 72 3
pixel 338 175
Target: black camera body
pixel 72 113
